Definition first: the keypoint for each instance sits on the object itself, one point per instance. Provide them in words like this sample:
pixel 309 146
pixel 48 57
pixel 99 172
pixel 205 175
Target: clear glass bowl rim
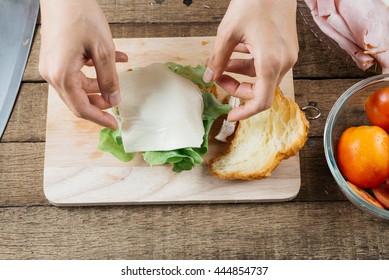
pixel 328 147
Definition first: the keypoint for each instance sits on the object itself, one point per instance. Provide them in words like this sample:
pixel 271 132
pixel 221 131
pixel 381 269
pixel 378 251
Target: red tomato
pixel 377 108
pixel 382 195
pixel 365 195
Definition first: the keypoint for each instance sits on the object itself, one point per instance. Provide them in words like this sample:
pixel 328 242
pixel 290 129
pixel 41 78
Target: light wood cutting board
pixel 76 173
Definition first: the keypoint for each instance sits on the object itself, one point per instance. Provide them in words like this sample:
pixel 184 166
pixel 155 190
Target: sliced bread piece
pixel 262 141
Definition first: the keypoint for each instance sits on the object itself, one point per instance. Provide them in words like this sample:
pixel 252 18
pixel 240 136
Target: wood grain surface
pixel 318 224
pixel 326 230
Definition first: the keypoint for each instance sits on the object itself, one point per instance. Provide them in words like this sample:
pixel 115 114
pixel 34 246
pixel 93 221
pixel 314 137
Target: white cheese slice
pixel 159 110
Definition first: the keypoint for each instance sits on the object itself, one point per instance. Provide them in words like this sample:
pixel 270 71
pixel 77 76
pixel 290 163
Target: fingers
pixel 98 101
pixel 242 48
pixel 97 116
pixel 89 85
pixel 241 66
pixel 104 60
pixel 87 107
pixel 258 96
pixel 263 94
pixel 235 88
pixel 223 47
pixel 69 89
pixel 72 88
pixel 263 90
pixel 119 57
pixel 269 72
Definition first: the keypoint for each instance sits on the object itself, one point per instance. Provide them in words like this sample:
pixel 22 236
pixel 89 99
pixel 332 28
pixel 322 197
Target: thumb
pixel 107 76
pixel 222 50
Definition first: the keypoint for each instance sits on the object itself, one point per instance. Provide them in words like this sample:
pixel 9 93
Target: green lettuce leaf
pixel 110 141
pixel 181 159
pixel 195 74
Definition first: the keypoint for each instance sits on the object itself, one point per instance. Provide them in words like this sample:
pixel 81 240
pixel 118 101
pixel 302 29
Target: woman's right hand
pixel 76 33
pixel 265 29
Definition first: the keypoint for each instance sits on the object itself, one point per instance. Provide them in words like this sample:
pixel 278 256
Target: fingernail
pixel 208 75
pixel 123 57
pixel 114 98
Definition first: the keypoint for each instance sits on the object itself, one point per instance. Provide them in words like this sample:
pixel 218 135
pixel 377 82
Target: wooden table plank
pixel 324 93
pixel 140 11
pixel 334 230
pixel 124 11
pixel 28 119
pixel 21 174
pixel 315 60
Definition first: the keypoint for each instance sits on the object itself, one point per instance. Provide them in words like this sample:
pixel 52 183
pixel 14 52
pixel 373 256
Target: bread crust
pixel 266 169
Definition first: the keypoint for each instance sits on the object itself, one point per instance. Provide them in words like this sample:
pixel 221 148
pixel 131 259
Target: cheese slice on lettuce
pixel 159 110
pixel 166 113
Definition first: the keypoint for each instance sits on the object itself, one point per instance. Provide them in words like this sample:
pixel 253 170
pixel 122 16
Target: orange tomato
pixel 363 155
pixel 365 195
pixel 377 108
pixel 381 193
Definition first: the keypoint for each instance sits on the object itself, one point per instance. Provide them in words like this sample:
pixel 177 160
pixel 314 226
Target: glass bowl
pixel 349 111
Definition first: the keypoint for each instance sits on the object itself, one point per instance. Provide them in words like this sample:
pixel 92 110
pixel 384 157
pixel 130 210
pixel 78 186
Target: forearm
pixel 285 8
pixel 68 12
pixel 278 14
pixel 63 9
pixel 282 12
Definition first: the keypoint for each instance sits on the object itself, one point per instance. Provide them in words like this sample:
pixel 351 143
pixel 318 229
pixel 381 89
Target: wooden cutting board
pixel 76 173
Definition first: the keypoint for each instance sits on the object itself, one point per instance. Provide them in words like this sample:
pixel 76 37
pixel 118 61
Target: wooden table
pixel 318 224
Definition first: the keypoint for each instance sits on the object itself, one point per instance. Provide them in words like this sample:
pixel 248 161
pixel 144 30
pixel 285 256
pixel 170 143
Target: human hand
pixel 266 29
pixel 76 33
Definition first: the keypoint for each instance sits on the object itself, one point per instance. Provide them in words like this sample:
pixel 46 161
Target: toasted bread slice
pixel 262 141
